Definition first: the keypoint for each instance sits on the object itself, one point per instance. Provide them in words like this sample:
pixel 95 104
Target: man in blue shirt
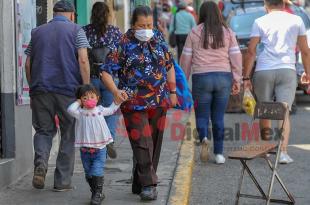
pixel 56 64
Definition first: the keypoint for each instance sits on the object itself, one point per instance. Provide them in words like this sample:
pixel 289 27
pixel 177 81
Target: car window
pixel 232 7
pixel 242 24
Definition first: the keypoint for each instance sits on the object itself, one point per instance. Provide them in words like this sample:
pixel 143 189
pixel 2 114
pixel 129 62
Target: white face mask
pixel 144 34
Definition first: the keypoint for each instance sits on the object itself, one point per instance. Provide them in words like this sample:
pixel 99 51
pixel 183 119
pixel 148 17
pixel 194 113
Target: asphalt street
pixel 217 184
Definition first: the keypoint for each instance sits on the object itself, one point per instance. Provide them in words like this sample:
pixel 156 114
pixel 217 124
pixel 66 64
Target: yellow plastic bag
pixel 248 102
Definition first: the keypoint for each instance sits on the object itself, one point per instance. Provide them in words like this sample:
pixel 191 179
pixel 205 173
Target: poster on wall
pixel 25 22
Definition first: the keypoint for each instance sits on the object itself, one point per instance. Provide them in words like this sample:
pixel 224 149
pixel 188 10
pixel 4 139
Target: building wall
pixel 17 134
pixel 120 17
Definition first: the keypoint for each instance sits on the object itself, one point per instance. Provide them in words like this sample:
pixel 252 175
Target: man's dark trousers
pixel 44 108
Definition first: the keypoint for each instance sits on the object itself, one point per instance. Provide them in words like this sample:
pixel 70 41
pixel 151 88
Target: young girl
pixel 91 136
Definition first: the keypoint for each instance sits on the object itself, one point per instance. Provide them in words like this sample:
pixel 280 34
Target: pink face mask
pixel 90 104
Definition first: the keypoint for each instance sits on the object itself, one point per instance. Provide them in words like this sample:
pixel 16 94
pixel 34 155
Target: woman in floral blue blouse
pixel 102 38
pixel 145 70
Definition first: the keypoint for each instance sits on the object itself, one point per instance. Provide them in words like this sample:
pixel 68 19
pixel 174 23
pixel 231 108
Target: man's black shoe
pixel 38 179
pixel 63 189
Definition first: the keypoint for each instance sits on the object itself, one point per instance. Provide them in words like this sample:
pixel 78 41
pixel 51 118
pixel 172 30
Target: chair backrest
pixel 270 110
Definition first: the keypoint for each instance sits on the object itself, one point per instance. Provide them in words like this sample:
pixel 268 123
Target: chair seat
pixel 253 150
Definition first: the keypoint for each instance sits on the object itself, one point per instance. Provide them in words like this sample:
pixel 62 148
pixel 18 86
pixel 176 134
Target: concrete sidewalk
pixel 117 177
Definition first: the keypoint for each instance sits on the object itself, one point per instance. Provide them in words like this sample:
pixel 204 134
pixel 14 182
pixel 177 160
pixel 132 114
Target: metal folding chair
pixel 271 111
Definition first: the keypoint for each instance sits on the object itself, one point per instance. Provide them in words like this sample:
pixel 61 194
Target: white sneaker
pixel 285 158
pixel 290 160
pixel 219 159
pixel 204 153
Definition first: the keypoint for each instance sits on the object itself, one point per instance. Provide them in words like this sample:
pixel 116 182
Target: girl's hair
pixel 99 17
pixel 140 11
pixel 211 17
pixel 84 89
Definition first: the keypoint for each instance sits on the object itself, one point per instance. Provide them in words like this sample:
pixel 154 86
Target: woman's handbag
pixel 235 103
pixel 183 92
pixel 172 36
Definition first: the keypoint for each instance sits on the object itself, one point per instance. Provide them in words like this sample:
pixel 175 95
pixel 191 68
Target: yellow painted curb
pixel 182 182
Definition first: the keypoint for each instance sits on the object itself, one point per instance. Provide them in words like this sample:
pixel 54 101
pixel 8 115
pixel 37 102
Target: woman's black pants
pixel 181 38
pixel 145 131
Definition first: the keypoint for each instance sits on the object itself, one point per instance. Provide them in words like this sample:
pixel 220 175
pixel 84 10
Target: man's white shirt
pixel 278 32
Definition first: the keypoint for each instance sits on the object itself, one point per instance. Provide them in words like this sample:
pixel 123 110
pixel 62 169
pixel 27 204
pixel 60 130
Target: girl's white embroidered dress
pixel 91 129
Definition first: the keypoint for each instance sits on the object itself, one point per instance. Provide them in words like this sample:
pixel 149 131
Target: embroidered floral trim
pixel 101 142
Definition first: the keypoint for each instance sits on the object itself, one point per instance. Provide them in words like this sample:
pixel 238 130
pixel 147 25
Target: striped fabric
pixel 80 42
pixel 234 50
pixel 28 49
pixel 187 51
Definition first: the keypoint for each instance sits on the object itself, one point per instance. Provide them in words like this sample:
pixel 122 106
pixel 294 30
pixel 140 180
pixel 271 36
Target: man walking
pixel 56 64
pixel 275 74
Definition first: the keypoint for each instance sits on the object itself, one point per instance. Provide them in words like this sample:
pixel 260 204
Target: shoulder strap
pixel 174 22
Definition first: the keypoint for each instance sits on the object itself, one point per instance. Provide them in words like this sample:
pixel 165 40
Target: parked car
pixel 229 5
pixel 241 21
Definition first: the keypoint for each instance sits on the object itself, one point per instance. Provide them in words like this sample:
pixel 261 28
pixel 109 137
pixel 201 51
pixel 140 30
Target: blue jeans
pixel 106 100
pixel 211 94
pixel 93 161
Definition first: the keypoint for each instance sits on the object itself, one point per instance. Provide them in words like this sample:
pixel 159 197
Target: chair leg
pixel 254 179
pixel 275 174
pixel 289 195
pixel 240 185
pixel 270 187
pixel 274 170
